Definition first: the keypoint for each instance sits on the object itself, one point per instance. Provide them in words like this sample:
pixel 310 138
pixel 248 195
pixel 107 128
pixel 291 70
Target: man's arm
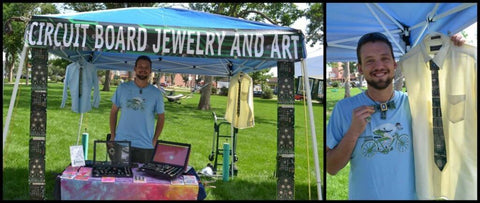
pixel 113 121
pixel 158 128
pixel 338 157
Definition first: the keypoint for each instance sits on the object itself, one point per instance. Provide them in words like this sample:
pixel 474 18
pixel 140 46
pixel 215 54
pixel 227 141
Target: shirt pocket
pixel 456 108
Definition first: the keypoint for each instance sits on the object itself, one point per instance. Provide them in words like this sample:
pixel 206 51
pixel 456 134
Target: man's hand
pixel 154 142
pixel 360 118
pixel 457 39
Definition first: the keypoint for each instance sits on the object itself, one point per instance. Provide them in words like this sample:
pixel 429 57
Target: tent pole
pixel 459 8
pixel 14 93
pixel 233 149
pixel 434 17
pixel 79 127
pixel 421 34
pixel 429 18
pixel 306 84
pixel 389 16
pixel 385 28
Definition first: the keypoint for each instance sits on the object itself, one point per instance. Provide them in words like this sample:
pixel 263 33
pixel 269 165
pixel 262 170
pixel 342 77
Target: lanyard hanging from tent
pixel 232 129
pixel 80 82
pixel 80 96
pixel 238 94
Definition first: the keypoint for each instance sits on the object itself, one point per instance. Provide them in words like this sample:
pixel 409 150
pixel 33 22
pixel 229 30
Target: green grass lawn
pixel 256 147
pixel 337 185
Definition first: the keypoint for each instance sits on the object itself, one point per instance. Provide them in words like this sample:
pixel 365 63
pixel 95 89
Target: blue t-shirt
pixel 381 165
pixel 139 108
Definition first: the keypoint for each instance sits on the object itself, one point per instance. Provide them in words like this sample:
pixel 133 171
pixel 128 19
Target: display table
pixel 76 183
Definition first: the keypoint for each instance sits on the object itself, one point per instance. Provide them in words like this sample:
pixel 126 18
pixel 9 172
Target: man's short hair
pixel 372 37
pixel 143 57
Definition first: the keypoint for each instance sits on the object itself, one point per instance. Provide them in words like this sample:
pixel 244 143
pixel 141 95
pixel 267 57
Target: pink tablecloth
pixel 77 184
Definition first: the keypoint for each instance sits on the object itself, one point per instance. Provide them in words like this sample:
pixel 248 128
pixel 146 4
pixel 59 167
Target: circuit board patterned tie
pixel 439 148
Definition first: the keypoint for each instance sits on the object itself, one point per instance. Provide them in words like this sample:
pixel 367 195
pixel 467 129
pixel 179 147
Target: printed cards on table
pixel 84 173
pixel 71 169
pixel 76 155
pixel 108 179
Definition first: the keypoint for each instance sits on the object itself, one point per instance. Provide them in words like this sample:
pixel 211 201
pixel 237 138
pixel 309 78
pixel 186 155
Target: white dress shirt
pixel 458 98
pixel 240 101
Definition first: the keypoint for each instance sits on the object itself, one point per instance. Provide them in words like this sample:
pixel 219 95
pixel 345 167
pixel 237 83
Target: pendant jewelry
pixel 383 107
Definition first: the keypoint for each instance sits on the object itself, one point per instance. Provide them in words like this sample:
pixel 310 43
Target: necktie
pixel 438 136
pixel 383 107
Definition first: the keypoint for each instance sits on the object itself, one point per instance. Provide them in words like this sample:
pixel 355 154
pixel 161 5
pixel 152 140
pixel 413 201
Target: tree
pixel 206 91
pixel 260 77
pixel 57 68
pixel 83 7
pixel 185 79
pixel 283 14
pixel 15 17
pixel 315 28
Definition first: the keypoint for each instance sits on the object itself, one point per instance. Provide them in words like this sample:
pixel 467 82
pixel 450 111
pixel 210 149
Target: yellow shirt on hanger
pixel 240 101
pixel 458 97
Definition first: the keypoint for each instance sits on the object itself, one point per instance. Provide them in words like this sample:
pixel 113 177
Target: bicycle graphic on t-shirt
pixel 384 139
pixel 136 103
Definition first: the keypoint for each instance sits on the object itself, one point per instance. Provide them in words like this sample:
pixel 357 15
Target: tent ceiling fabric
pixel 177 40
pixel 344 29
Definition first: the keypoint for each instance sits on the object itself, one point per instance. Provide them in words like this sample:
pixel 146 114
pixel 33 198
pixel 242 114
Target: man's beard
pixel 380 85
pixel 142 77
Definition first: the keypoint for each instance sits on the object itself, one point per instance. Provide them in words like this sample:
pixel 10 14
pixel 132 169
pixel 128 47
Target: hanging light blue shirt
pixel 81 91
pixel 381 165
pixel 139 108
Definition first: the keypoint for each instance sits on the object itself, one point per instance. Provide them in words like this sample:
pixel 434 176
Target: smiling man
pixel 381 158
pixel 140 102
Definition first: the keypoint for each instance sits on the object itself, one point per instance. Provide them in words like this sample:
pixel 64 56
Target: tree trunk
pixel 360 80
pixel 346 75
pixel 159 77
pixel 130 75
pixel 25 64
pixel 6 64
pixel 398 80
pixel 106 84
pixel 11 67
pixel 151 78
pixel 206 91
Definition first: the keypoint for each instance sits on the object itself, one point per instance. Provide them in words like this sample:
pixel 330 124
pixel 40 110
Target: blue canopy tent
pixel 404 23
pixel 177 41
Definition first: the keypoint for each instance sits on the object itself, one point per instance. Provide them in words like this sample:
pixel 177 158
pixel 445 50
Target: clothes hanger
pixel 435 42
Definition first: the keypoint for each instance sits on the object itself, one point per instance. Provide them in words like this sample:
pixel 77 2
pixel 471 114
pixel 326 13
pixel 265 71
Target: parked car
pixel 298 97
